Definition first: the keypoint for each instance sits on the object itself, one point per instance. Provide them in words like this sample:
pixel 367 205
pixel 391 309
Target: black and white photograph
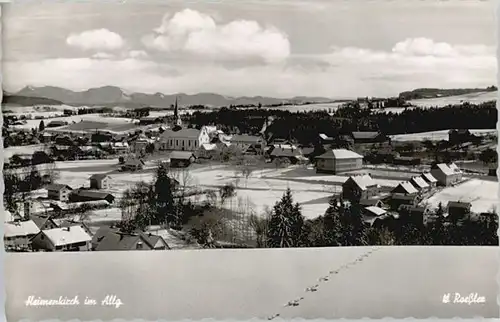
pixel 250 159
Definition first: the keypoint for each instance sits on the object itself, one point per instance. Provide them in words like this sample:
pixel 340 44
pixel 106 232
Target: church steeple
pixel 177 117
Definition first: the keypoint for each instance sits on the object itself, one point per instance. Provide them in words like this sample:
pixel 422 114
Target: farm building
pixel 369 137
pixel 248 143
pixel 359 187
pixel 420 184
pixel 184 139
pixel 43 222
pixel 58 191
pixel 458 210
pixel 338 160
pixel 17 235
pixel 99 181
pixel 405 188
pixel 373 211
pixel 444 175
pixel 429 178
pixel 82 195
pixel 72 238
pixel 181 159
pixel 398 199
pixel 133 164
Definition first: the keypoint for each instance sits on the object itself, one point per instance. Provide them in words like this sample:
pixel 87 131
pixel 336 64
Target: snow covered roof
pixel 429 177
pixel 419 182
pixel 181 155
pixel 364 181
pixel 454 168
pixel 445 168
pixel 67 235
pixel 377 211
pixel 21 228
pixel 407 187
pixel 245 138
pixel 209 146
pixel 340 154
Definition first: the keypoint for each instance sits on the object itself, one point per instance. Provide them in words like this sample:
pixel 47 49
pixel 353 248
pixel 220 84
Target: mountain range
pixel 116 96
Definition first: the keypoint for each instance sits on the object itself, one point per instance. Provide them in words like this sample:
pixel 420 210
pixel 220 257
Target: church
pixel 182 139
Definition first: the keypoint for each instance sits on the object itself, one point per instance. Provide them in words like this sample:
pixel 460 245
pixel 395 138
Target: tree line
pixel 304 127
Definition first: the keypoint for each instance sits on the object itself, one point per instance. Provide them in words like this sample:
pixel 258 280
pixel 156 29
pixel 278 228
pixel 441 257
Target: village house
pixel 132 164
pixel 369 137
pixel 338 160
pixel 248 144
pixel 405 188
pixel 113 240
pixel 43 222
pixel 398 199
pixel 58 191
pixel 18 234
pixel 359 187
pixel 82 195
pixel 157 242
pixel 209 150
pixel 181 159
pixel 71 238
pixel 71 223
pixel 429 178
pixel 458 210
pixel 287 153
pixel 99 181
pixel 373 216
pixel 420 184
pixel 445 175
pixel 183 140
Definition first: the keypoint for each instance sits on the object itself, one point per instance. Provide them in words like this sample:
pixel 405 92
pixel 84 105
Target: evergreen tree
pixel 286 225
pixel 41 127
pixel 163 195
pixel 343 225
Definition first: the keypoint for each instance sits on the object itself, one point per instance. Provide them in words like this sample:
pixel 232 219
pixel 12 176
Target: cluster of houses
pixel 379 206
pixel 41 233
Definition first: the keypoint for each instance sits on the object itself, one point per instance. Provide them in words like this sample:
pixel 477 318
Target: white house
pixel 58 191
pixel 338 160
pixel 184 139
pixel 72 238
pixel 445 175
pixel 99 181
pixel 18 234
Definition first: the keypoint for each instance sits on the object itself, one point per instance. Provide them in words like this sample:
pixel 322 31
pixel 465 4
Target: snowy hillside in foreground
pixel 241 284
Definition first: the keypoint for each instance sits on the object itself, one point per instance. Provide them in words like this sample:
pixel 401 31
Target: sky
pixel 244 48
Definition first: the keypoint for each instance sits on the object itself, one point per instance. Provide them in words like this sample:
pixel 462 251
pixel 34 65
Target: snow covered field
pixel 26 149
pixel 436 135
pixel 75 118
pixel 474 98
pixel 482 194
pixel 351 282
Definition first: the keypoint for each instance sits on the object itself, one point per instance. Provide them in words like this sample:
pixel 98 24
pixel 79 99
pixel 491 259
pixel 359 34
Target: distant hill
pixel 28 101
pixel 423 93
pixel 113 96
